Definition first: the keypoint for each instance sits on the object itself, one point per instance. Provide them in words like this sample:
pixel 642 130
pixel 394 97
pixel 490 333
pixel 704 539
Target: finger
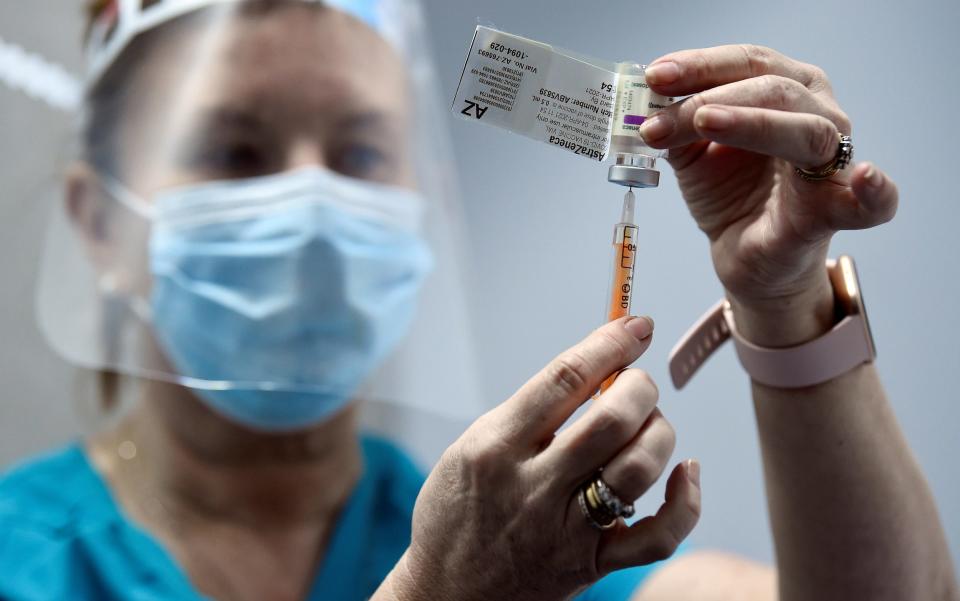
pixel 656 537
pixel 611 422
pixel 674 125
pixel 547 400
pixel 803 139
pixel 641 463
pixel 877 193
pixel 692 71
pixel 873 200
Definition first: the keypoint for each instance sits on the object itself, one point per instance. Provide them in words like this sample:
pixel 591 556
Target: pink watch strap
pixel 838 351
pixel 696 346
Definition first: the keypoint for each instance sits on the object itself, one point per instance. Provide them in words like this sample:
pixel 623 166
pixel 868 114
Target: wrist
pixel 790 320
pixel 409 581
pixel 399 585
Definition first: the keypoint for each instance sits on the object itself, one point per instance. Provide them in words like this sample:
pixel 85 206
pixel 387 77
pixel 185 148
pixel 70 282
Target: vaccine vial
pixel 634 162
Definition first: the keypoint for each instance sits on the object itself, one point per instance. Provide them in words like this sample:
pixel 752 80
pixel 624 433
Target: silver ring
pixel 843 158
pixel 585 509
pixel 612 501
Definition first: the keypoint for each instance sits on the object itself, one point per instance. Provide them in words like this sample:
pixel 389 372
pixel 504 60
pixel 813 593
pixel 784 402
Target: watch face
pixel 846 283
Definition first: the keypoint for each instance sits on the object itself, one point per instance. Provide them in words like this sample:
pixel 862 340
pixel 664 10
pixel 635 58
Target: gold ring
pixel 593 510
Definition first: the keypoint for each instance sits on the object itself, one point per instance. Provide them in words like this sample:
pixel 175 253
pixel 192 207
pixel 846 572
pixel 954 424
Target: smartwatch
pixel 847 345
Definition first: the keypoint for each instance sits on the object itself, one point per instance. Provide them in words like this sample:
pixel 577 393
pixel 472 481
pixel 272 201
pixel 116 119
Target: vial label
pixel 554 96
pixel 635 102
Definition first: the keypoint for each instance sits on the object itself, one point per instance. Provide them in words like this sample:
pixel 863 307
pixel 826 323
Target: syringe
pixel 624 258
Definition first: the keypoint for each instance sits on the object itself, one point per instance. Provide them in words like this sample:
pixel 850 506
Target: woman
pixel 227 494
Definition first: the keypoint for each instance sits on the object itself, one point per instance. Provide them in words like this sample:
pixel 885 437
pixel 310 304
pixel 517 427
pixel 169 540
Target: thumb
pixel 656 537
pixel 874 200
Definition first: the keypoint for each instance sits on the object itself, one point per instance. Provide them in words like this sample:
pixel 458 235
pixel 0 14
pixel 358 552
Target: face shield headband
pixel 120 21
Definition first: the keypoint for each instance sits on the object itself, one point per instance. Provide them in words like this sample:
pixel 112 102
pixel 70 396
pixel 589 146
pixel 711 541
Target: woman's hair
pixel 94 9
pixel 105 102
pixel 105 110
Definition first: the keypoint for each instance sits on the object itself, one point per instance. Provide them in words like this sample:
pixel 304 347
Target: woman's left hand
pixel 501 515
pixel 754 116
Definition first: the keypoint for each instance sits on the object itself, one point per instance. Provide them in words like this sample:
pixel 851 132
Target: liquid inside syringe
pixel 624 259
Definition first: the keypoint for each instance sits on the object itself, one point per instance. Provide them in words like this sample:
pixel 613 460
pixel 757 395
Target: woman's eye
pixel 234 160
pixel 361 161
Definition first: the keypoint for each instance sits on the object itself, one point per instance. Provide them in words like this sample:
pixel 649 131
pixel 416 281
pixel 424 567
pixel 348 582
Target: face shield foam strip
pixel 588 107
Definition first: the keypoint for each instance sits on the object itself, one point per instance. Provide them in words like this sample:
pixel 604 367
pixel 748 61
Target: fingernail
pixel 662 73
pixel 872 177
pixel 711 117
pixel 640 327
pixel 656 128
pixel 693 471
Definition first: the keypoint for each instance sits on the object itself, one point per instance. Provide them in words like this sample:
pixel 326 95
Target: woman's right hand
pixel 499 518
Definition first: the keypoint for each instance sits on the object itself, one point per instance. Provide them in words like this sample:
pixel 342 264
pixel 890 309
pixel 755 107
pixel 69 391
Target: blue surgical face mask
pixel 277 296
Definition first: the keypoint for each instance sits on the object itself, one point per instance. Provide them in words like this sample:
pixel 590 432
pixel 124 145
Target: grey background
pixel 539 222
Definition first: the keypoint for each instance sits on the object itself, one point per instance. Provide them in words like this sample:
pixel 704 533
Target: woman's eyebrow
pixel 213 123
pixel 226 117
pixel 235 119
pixel 369 120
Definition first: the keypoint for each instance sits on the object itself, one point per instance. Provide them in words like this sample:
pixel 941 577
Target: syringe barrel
pixel 623 259
pixel 621 277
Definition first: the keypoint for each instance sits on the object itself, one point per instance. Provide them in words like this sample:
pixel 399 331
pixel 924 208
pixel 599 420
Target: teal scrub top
pixel 63 536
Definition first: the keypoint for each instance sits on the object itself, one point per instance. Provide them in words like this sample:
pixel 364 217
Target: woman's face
pixel 224 94
pixel 235 96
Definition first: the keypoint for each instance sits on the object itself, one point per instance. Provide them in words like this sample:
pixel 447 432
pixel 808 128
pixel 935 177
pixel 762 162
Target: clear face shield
pixel 262 211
